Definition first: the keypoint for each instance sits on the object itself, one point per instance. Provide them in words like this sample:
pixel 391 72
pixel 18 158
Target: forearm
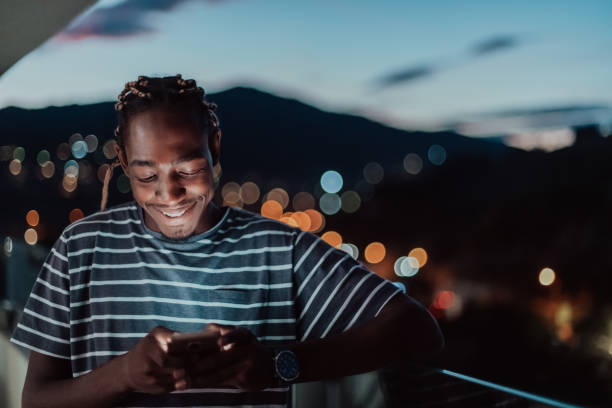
pixel 403 331
pixel 99 388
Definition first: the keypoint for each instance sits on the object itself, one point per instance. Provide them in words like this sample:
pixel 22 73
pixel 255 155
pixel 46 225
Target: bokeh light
pixel 444 299
pixel 436 155
pixel 272 209
pixel 350 201
pixel 92 143
pixel 8 246
pixel 69 182
pixel 373 173
pixel 420 255
pixel 302 220
pixel 286 218
pixel 42 157
pixel 232 199
pixel 48 169
pixel 6 152
pixel 230 187
pixel 249 192
pixel 317 220
pixel 350 249
pixel 330 203
pixel 76 137
pixel 85 171
pixel 413 164
pixel 19 154
pixel 375 252
pixel 79 149
pixel 109 149
pixel 32 218
pixel 331 181
pixel 406 266
pixel 546 277
pixel 332 238
pixel 303 201
pixel 279 195
pixel 123 184
pixel 75 214
pixel 15 167
pixel 63 151
pixel 31 236
pixel 71 168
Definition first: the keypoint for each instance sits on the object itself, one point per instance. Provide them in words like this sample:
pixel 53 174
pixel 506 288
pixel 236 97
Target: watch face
pixel 287 365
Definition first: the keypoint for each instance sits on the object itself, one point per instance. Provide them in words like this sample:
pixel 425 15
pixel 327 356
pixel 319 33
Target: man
pixel 286 306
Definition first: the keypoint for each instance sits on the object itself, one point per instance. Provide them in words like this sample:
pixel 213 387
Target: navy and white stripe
pixel 109 280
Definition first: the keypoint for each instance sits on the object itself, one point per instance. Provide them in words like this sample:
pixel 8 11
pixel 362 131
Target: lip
pixel 175 220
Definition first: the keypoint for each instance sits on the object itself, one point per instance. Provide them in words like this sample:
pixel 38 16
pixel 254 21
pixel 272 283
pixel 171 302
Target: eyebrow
pixel 188 157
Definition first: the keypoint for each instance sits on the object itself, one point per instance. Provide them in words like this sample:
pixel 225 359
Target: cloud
pixel 121 20
pixel 495 44
pixel 406 75
pixel 419 72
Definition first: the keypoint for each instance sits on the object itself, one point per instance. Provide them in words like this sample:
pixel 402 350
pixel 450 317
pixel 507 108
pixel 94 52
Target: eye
pixel 146 180
pixel 191 173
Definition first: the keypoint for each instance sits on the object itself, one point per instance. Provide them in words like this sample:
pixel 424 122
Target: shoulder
pixel 114 219
pixel 249 222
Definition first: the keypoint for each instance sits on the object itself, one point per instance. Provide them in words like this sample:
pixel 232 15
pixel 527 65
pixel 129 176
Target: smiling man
pixel 285 306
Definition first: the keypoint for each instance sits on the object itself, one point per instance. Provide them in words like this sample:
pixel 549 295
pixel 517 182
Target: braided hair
pixel 172 92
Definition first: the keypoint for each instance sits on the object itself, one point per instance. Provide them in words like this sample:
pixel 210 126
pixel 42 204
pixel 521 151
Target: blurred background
pixel 459 149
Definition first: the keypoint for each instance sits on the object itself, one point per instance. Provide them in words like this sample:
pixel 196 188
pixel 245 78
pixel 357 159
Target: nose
pixel 170 190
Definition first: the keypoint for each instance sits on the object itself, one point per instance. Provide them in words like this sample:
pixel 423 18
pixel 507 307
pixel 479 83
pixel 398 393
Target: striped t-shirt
pixel 109 280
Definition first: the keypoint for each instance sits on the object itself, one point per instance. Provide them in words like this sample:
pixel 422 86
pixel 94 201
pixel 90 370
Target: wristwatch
pixel 286 367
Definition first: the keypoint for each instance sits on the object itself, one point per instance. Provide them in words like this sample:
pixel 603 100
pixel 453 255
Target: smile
pixel 175 215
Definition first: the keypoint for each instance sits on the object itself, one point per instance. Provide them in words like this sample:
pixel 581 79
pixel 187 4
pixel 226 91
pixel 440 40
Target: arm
pixel 145 368
pixel 404 330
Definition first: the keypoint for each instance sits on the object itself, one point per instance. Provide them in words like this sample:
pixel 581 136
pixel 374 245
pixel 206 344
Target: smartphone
pixel 196 342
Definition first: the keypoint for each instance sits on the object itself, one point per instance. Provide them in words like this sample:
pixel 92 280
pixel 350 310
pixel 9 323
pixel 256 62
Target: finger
pixel 226 376
pixel 162 335
pixel 218 360
pixel 220 328
pixel 241 335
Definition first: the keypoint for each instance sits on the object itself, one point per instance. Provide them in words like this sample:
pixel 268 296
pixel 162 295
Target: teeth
pixel 174 215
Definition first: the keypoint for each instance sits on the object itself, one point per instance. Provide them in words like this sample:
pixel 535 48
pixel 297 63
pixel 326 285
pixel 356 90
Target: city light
pixel 413 164
pixel 8 246
pixel 279 195
pixel 109 149
pixel 406 266
pixel 30 236
pixel 92 143
pixel 375 252
pixel 63 151
pixel 436 155
pixel 42 157
pixel 350 249
pixel 19 154
pixel 331 181
pixel 546 277
pixel 272 209
pixel 48 169
pixel 332 238
pixel 317 221
pixel 302 220
pixel 32 218
pixel 420 255
pixel 330 203
pixel 249 192
pixel 15 167
pixel 75 214
pixel 303 201
pixel 373 173
pixel 350 201
pixel 444 299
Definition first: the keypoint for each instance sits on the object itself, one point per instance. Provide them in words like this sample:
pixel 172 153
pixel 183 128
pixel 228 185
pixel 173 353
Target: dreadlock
pixel 173 92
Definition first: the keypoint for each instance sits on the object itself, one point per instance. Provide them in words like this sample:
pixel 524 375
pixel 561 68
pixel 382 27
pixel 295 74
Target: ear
pixel 122 156
pixel 214 145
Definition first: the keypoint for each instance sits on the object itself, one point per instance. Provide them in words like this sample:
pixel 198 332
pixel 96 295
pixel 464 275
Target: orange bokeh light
pixel 375 252
pixel 289 221
pixel 32 218
pixel 332 238
pixel 317 221
pixel 272 209
pixel 75 215
pixel 420 255
pixel 302 219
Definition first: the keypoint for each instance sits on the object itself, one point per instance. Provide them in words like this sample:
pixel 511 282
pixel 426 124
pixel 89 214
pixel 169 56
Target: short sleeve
pixel 44 325
pixel 333 292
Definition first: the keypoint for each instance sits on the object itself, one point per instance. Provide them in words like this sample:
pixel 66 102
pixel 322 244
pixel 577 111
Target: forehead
pixel 162 136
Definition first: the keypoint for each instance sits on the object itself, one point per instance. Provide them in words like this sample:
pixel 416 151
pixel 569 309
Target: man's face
pixel 170 167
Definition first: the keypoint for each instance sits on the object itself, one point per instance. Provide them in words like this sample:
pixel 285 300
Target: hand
pixel 148 368
pixel 243 362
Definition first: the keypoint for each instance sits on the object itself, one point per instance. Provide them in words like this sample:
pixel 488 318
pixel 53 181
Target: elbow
pixel 422 331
